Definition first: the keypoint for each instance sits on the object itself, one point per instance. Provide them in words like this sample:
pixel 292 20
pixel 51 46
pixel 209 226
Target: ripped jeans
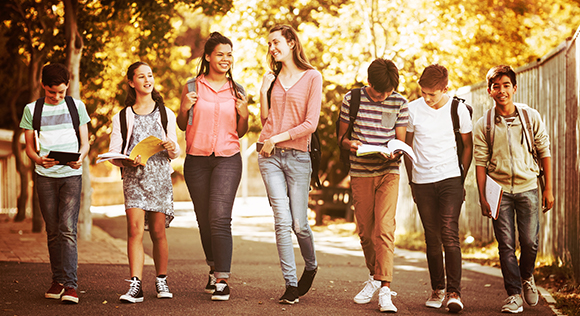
pixel 286 175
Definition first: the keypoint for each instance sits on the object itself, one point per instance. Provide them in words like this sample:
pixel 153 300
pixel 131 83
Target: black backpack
pixel 315 154
pixel 352 113
pixel 123 121
pixel 458 139
pixel 72 109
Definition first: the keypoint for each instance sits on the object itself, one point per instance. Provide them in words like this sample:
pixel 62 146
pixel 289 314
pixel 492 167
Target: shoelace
pixel 212 279
pixel 134 289
pixel 161 285
pixel 369 287
pixel 511 299
pixel 436 296
pixel 393 294
pixel 528 284
pixel 220 286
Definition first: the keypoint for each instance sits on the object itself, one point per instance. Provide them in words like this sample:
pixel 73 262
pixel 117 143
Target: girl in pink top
pixel 284 160
pixel 214 115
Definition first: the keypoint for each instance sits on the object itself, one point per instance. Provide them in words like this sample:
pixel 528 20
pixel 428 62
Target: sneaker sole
pixel 359 301
pixel 519 310
pixel 53 296
pixel 532 304
pixel 454 308
pixel 164 295
pixel 209 291
pixel 70 299
pixel 433 305
pixel 388 310
pixel 129 299
pixel 220 297
pixel 289 302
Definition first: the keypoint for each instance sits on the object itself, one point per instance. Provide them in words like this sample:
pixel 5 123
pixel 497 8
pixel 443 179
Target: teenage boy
pixel 58 185
pixel 508 161
pixel 382 116
pixel 436 180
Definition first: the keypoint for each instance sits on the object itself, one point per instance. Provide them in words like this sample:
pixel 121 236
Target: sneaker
pixel 70 295
pixel 436 299
pixel 306 281
pixel 530 291
pixel 222 291
pixel 55 291
pixel 513 304
pixel 454 304
pixel 135 293
pixel 290 296
pixel 385 302
pixel 366 294
pixel 162 288
pixel 210 286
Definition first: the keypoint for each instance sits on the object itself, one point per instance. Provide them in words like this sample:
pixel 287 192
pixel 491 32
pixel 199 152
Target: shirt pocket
pixel 388 120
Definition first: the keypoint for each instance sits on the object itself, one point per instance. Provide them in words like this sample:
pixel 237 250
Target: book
pixel 63 157
pixel 394 146
pixel 493 193
pixel 145 148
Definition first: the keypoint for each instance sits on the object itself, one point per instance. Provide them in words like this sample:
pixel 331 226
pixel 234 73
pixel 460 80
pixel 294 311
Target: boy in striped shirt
pixel 58 185
pixel 382 117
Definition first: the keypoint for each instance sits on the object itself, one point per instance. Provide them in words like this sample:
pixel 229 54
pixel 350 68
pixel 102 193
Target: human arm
pixel 188 99
pixel 467 154
pixel 408 163
pixel 84 148
pixel 548 194
pixel 267 81
pixel 43 161
pixel 170 143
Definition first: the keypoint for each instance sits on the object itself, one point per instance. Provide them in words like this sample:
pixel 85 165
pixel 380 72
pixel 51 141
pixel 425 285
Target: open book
pixel 145 148
pixel 493 193
pixel 393 146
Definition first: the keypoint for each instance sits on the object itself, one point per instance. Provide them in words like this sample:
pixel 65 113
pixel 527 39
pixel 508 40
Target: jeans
pixel 286 175
pixel 375 207
pixel 212 182
pixel 525 208
pixel 60 200
pixel 439 206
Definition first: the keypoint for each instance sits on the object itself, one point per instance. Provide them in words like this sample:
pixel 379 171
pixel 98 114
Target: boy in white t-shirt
pixel 436 181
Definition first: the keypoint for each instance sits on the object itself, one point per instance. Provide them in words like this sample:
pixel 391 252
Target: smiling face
pixel 433 96
pixel 143 80
pixel 502 90
pixel 220 59
pixel 54 94
pixel 279 47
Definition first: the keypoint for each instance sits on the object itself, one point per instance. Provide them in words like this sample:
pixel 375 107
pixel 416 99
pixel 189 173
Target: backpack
pixel 123 121
pixel 528 135
pixel 315 154
pixel 353 112
pixel 458 139
pixel 72 109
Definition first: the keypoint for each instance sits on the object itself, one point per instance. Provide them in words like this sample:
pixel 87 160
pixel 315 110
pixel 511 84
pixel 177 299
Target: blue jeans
pixel 439 206
pixel 524 208
pixel 286 175
pixel 60 200
pixel 213 182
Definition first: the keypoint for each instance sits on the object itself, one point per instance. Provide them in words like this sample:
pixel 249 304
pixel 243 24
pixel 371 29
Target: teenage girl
pixel 147 188
pixel 284 160
pixel 214 115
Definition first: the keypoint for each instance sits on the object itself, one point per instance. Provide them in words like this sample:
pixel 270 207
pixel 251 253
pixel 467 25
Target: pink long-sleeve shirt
pixel 295 111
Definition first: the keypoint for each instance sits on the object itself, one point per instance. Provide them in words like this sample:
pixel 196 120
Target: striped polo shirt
pixel 375 125
pixel 56 133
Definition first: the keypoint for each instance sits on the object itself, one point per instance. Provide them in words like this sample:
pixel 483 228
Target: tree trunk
pixel 74 50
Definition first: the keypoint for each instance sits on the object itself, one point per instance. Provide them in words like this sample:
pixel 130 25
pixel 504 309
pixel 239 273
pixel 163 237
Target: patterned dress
pixel 149 187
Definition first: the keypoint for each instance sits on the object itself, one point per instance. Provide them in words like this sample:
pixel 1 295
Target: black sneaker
pixel 290 296
pixel 135 293
pixel 210 286
pixel 162 288
pixel 306 281
pixel 222 291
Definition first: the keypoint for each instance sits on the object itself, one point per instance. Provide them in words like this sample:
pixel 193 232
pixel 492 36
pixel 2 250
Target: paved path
pixel 256 278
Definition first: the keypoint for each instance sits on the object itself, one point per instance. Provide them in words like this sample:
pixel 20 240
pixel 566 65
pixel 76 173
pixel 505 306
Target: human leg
pixel 197 173
pixel 504 229
pixel 387 192
pixel 159 240
pixel 527 209
pixel 135 229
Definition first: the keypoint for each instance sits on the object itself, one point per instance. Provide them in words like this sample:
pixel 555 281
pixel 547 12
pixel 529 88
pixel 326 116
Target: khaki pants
pixel 375 206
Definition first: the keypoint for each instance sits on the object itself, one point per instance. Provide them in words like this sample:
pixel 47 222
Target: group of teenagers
pixel 214 115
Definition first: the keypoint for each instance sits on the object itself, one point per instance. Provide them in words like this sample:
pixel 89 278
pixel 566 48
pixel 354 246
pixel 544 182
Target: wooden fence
pixel 549 85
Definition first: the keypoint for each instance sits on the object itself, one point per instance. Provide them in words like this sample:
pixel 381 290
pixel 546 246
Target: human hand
pixel 269 77
pixel 242 106
pixel 353 144
pixel 47 162
pixel 392 157
pixel 189 101
pixel 268 148
pixel 169 145
pixel 75 164
pixel 485 209
pixel 547 200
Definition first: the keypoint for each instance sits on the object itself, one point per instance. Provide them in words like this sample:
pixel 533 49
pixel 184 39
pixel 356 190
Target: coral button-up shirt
pixel 214 126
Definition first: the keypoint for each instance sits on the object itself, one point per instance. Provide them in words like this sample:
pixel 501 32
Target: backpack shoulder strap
pixel 527 129
pixel 123 121
pixel 191 87
pixel 489 123
pixel 163 113
pixel 352 113
pixel 74 114
pixel 454 115
pixel 37 116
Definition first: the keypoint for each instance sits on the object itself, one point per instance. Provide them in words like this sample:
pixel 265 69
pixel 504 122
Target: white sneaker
pixel 454 304
pixel 385 302
pixel 436 299
pixel 371 287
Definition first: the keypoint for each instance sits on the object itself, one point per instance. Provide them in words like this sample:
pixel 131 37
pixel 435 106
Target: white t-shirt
pixel 434 140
